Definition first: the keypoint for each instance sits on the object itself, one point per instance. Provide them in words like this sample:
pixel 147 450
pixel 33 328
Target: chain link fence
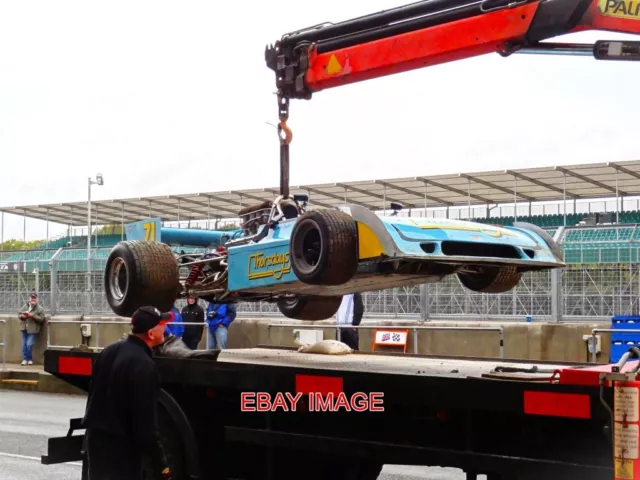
pixel 581 292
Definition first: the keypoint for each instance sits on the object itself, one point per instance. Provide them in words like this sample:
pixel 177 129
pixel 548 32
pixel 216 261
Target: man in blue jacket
pixel 219 317
pixel 176 327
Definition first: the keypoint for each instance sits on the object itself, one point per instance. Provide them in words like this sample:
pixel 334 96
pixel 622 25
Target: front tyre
pixel 309 308
pixel 324 247
pixel 491 279
pixel 139 274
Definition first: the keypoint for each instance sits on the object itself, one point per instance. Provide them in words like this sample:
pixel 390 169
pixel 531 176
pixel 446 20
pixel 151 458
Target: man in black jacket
pixel 192 313
pixel 350 313
pixel 121 411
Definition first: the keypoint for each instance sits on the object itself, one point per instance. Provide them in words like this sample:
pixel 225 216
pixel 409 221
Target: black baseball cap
pixel 146 318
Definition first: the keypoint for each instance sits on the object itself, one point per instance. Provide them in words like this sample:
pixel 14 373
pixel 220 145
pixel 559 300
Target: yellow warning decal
pixel 624 469
pixel 620 8
pixel 333 66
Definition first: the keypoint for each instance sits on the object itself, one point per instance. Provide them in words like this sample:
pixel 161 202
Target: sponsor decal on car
pixel 273 265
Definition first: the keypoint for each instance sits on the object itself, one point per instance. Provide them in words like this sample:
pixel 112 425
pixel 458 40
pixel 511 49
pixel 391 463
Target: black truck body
pixel 506 419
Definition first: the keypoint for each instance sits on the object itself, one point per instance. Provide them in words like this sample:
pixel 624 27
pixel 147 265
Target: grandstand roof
pixel 586 181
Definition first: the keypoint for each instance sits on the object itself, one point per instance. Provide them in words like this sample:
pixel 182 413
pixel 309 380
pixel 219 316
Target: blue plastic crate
pixel 622 342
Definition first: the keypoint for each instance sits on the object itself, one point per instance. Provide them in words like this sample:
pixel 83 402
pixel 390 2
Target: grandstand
pixel 592 210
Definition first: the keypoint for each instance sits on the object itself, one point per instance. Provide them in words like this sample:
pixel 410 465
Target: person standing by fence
pixel 350 313
pixel 192 313
pixel 219 317
pixel 32 318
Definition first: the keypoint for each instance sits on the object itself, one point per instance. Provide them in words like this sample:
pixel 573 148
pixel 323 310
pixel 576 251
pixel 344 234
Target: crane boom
pixel 432 32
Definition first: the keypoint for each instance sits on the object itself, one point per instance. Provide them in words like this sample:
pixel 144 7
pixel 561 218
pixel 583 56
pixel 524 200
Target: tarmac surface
pixel 27 419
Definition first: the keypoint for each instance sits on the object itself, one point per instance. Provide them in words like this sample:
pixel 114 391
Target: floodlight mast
pixel 433 32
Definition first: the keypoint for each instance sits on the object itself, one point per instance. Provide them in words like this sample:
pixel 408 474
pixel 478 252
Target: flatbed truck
pixel 507 419
pixel 510 420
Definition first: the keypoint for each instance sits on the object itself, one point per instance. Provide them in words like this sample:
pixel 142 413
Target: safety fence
pixel 97 323
pixel 577 293
pixel 415 329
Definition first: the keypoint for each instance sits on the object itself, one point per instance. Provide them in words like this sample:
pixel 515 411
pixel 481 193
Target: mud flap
pixel 69 448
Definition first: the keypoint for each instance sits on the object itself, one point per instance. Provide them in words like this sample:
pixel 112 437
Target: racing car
pixel 306 259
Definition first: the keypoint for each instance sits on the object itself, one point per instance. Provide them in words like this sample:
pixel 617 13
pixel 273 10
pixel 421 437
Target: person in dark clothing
pixel 192 313
pixel 120 417
pixel 350 313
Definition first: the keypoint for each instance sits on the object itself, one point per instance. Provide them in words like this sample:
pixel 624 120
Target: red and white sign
pixel 391 337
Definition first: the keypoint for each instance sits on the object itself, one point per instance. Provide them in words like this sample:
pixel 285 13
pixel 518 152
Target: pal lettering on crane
pixel 629 9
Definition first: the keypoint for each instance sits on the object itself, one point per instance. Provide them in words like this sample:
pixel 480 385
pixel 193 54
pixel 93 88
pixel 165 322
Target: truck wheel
pixel 324 247
pixel 173 449
pixel 309 308
pixel 140 273
pixel 491 279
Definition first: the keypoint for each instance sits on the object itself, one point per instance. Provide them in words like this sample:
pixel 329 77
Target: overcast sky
pixel 173 97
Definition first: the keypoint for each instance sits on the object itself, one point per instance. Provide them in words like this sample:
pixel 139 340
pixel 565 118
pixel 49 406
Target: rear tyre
pixel 170 439
pixel 491 279
pixel 324 247
pixel 309 308
pixel 138 274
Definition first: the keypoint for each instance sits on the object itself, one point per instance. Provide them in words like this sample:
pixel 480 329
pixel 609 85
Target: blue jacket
pixel 176 327
pixel 220 314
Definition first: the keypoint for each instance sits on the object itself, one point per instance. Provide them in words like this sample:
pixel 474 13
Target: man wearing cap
pixel 32 318
pixel 121 411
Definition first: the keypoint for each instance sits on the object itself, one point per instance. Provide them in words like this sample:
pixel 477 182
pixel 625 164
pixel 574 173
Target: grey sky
pixel 165 97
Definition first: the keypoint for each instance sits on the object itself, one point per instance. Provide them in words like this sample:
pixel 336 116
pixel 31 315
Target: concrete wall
pixel 528 341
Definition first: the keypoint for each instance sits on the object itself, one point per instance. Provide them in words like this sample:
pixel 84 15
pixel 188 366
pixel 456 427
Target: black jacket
pixel 123 398
pixel 193 314
pixel 358 308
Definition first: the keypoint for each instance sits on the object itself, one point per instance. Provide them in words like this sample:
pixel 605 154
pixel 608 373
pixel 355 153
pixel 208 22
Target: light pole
pixel 97 181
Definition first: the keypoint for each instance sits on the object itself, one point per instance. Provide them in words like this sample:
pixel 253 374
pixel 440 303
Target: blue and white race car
pixel 306 259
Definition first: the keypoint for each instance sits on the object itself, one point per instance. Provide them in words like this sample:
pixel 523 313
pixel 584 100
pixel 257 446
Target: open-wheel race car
pixel 307 259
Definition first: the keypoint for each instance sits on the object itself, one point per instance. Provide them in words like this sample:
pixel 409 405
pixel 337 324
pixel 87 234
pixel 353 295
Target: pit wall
pixel 525 341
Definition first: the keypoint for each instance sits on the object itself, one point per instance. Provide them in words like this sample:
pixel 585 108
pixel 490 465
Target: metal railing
pixel 97 346
pixel 3 324
pixel 415 329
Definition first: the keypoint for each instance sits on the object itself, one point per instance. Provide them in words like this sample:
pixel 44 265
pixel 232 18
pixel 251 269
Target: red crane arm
pixel 431 32
pixel 438 31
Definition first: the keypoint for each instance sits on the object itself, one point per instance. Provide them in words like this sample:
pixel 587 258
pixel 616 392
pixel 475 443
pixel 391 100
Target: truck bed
pixel 393 364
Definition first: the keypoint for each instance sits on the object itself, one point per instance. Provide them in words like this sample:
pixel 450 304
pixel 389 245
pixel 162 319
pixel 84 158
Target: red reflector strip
pixel 572 405
pixel 74 365
pixel 318 384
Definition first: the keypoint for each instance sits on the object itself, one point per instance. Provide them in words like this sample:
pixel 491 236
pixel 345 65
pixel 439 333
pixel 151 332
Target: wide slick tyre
pixel 309 308
pixel 138 274
pixel 491 279
pixel 324 247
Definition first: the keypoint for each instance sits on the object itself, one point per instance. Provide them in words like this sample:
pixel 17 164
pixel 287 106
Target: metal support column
pixel 424 302
pixel 556 295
